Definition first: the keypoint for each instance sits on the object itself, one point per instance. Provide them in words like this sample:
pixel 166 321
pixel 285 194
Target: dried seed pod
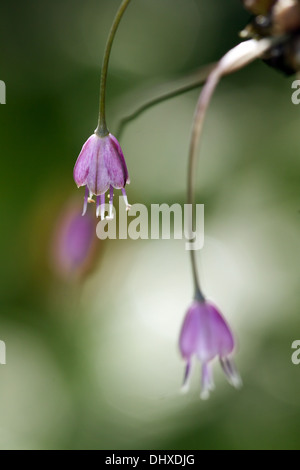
pixel 259 7
pixel 286 16
pixel 277 18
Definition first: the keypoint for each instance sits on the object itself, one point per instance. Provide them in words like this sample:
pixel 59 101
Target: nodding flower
pixel 101 167
pixel 206 335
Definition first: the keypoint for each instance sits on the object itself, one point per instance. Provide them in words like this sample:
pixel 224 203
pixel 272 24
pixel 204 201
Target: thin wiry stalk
pixel 235 59
pixel 176 88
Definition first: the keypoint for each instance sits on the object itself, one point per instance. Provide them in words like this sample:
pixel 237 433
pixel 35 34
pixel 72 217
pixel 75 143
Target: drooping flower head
pixel 206 335
pixel 101 166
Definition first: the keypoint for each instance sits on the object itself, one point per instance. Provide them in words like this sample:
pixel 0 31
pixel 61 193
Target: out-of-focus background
pixel 92 356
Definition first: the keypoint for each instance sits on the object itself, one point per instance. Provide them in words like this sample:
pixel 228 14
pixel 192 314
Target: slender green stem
pixel 102 130
pixel 195 81
pixel 235 59
pixel 197 128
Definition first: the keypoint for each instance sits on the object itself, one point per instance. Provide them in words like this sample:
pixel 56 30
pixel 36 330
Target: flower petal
pixel 98 178
pixel 122 161
pixel 189 332
pixel 222 335
pixel 115 163
pixel 82 165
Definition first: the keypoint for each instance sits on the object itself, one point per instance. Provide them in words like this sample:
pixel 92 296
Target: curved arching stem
pixel 175 88
pixel 235 59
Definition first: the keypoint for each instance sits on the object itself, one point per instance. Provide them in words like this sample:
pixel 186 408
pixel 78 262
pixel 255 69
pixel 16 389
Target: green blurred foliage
pixel 95 364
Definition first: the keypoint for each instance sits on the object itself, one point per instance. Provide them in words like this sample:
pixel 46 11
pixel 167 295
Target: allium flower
pixel 101 166
pixel 74 243
pixel 206 334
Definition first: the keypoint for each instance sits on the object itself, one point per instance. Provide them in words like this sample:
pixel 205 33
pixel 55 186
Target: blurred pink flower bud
pixel 74 242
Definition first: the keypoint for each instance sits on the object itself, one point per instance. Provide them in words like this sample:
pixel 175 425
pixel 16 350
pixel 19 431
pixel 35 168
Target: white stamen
pixel 231 373
pixel 185 388
pixel 204 395
pixel 110 215
pixel 128 206
pixel 102 210
pixel 237 381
